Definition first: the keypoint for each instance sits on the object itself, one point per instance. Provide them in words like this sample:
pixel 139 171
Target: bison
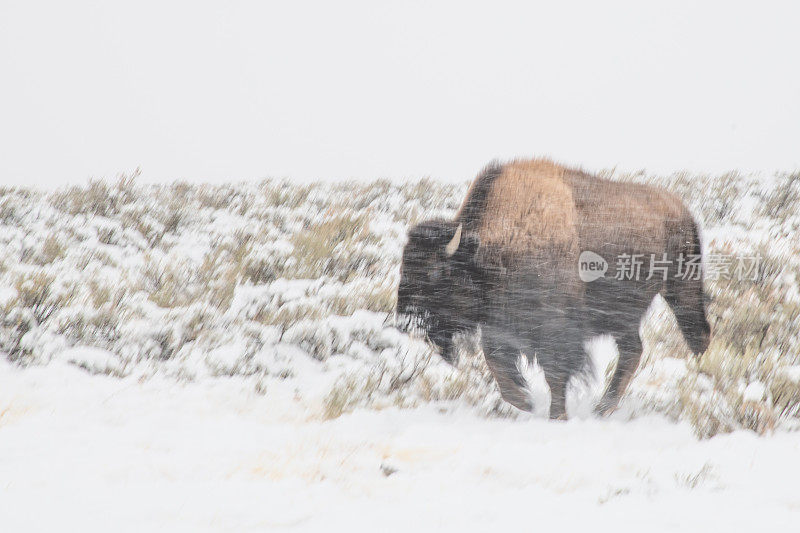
pixel 540 258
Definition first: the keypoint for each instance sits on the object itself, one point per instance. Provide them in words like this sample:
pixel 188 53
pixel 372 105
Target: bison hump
pixel 522 210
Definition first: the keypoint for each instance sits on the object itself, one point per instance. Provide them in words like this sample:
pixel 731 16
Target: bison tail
pixel 684 287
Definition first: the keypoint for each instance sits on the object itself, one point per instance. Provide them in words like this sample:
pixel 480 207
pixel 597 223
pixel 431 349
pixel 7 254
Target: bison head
pixel 438 293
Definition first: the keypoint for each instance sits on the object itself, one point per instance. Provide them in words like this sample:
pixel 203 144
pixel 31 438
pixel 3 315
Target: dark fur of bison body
pixel 508 263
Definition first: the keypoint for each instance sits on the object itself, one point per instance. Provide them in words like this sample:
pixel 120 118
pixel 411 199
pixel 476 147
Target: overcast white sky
pixel 234 90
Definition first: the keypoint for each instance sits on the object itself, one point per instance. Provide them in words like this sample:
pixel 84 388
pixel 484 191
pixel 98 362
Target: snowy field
pixel 82 453
pixel 198 358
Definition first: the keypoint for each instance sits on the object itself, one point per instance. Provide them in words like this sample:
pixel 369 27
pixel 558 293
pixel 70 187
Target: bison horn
pixel 452 246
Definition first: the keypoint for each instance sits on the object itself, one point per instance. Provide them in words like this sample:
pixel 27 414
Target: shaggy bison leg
pixel 558 395
pixel 501 359
pixel 630 352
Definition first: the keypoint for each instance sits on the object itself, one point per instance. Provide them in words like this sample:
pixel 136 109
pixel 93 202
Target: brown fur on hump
pixel 521 208
pixel 619 217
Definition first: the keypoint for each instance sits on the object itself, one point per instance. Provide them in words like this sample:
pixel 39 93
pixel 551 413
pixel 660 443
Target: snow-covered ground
pixel 96 453
pixel 193 358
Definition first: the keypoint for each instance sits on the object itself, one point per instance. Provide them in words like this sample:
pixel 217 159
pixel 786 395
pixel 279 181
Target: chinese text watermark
pixel 635 267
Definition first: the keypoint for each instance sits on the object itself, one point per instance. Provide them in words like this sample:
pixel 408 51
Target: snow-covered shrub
pixel 281 283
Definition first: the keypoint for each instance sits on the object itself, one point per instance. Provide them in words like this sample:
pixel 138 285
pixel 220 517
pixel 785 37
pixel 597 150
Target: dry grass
pixel 329 248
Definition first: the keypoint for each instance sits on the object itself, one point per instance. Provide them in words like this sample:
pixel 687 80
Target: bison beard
pixel 508 264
